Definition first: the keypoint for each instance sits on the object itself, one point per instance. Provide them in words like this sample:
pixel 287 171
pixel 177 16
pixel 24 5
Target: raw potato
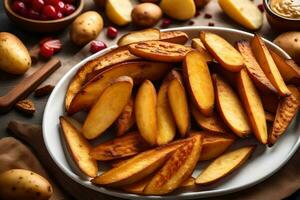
pixel 108 107
pixel 222 51
pixel 146 14
pixel 178 9
pixel 16 184
pixel 14 57
pixel 139 36
pixel 78 147
pixel 289 42
pixel 86 27
pixel 119 12
pixel 244 12
pixel 177 37
pixel 224 165
pixel 230 108
pixel 268 65
pixel 199 46
pixel 126 119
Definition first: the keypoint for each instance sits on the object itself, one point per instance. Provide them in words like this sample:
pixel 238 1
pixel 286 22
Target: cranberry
pixel 52 2
pixel 60 6
pixel 211 24
pixel 53 44
pixel 20 8
pixel 59 15
pixel 32 14
pixel 97 46
pixel 69 1
pixel 261 7
pixel 191 23
pixel 42 41
pixel 207 16
pixel 44 17
pixel 37 5
pixel 49 11
pixel 112 32
pixel 68 9
pixel 27 2
pixel 46 51
pixel 197 13
pixel 166 23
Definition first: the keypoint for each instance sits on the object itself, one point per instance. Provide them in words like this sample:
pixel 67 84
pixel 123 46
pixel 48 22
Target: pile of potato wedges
pixel 170 106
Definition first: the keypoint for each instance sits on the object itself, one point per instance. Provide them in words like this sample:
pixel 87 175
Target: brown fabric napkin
pixel 15 155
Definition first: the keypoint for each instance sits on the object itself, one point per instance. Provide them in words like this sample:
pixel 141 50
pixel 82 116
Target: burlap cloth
pixel 14 154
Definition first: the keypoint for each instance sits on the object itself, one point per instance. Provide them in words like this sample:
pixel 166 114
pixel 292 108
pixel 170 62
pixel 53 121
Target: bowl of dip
pixel 283 15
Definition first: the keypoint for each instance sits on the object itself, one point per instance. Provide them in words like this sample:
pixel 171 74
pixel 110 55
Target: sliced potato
pixel 79 148
pixel 177 37
pixel 119 12
pixel 222 51
pixel 126 119
pixel 198 79
pixel 108 107
pixel 178 9
pixel 199 46
pixel 268 65
pixel 139 36
pixel 159 51
pixel 145 111
pixel 230 108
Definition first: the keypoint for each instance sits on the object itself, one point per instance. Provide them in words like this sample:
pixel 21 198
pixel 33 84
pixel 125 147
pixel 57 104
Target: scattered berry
pixel 112 32
pixel 54 44
pixel 42 41
pixel 191 23
pixel 207 16
pixel 261 7
pixel 166 23
pixel 197 13
pixel 46 51
pixel 97 46
pixel 211 24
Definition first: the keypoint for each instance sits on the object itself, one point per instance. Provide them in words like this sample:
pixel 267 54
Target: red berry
pixel 207 16
pixel 46 51
pixel 37 5
pixel 261 7
pixel 97 46
pixel 49 11
pixel 211 24
pixel 112 32
pixel 68 9
pixel 53 44
pixel 197 13
pixel 166 23
pixel 20 8
pixel 69 1
pixel 32 14
pixel 191 23
pixel 44 17
pixel 59 15
pixel 52 2
pixel 60 6
pixel 42 41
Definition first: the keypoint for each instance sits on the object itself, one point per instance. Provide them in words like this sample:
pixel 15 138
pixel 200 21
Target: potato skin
pixel 146 14
pixel 14 56
pixel 16 184
pixel 86 28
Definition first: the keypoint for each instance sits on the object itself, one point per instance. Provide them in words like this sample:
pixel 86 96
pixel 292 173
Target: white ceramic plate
pixel 264 162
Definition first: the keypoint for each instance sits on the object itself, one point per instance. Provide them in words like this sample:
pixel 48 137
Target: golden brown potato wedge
pixel 230 108
pixel 288 69
pixel 179 103
pixel 79 148
pixel 253 105
pixel 177 168
pixel 191 181
pixel 268 65
pixel 199 83
pixel 108 107
pixel 177 37
pixel 145 111
pixel 199 46
pixel 270 117
pixel 253 68
pixel 222 51
pixel 138 70
pixel 126 119
pixel 287 109
pixel 139 36
pixel 159 51
pixel 270 102
pixel 120 147
pixel 224 165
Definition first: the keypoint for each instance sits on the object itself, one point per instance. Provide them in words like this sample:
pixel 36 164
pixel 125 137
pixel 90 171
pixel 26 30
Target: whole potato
pixel 14 56
pixel 290 42
pixel 86 27
pixel 146 14
pixel 178 9
pixel 16 184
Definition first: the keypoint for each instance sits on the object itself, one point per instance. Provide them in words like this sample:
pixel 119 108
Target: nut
pixel 26 106
pixel 43 91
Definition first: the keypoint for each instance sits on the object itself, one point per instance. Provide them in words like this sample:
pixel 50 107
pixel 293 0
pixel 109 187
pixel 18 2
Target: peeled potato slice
pixel 199 46
pixel 139 36
pixel 119 12
pixel 126 119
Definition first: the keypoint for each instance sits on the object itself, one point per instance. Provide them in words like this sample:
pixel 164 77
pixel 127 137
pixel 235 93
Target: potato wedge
pixel 119 12
pixel 224 165
pixel 79 148
pixel 222 51
pixel 287 109
pixel 177 168
pixel 179 103
pixel 230 108
pixel 253 68
pixel 145 111
pixel 177 37
pixel 139 36
pixel 268 65
pixel 288 69
pixel 199 46
pixel 159 51
pixel 138 70
pixel 108 107
pixel 120 147
pixel 253 105
pixel 199 83
pixel 126 119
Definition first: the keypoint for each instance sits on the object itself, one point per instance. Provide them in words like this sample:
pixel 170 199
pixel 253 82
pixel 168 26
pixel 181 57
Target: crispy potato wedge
pixel 79 148
pixel 146 111
pixel 138 167
pixel 270 117
pixel 199 82
pixel 177 168
pixel 270 102
pixel 222 51
pixel 199 46
pixel 230 108
pixel 253 105
pixel 190 182
pixel 253 68
pixel 287 109
pixel 288 69
pixel 108 107
pixel 179 103
pixel 166 127
pixel 268 65
pixel 177 37
pixel 120 147
pixel 159 51
pixel 224 165
pixel 139 36
pixel 138 70
pixel 126 119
